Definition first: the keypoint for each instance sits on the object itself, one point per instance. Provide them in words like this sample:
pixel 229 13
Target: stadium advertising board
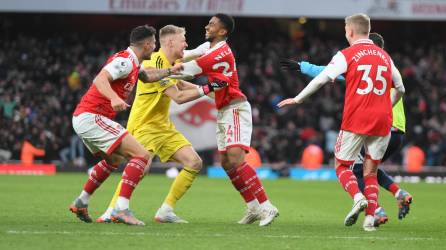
pixel 378 9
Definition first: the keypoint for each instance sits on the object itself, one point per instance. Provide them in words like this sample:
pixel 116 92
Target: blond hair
pixel 171 29
pixel 360 23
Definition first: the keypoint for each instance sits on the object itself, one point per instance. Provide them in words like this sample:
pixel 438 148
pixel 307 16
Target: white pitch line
pixel 285 236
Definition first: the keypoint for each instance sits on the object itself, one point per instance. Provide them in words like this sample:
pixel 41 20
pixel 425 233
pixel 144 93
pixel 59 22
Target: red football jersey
pixel 367 104
pixel 124 66
pixel 220 59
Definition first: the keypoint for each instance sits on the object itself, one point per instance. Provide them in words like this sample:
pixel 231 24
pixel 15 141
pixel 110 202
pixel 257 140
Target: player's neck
pixel 356 38
pixel 138 53
pixel 215 41
pixel 169 55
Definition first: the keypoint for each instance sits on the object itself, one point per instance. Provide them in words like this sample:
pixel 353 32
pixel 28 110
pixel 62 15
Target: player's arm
pixel 197 52
pixel 306 68
pixel 337 66
pixel 117 69
pixel 187 95
pixel 183 85
pixel 149 74
pixel 398 85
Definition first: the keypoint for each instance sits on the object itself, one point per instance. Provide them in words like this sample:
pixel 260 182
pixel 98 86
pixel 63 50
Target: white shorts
pixel 348 145
pixel 98 132
pixel 234 126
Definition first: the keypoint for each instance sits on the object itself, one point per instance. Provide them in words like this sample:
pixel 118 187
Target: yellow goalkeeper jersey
pixel 150 109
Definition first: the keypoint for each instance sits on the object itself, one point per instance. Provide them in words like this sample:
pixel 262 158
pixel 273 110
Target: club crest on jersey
pixel 164 82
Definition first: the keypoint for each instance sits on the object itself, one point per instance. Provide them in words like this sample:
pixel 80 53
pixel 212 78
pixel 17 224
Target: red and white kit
pixel 92 119
pixel 367 117
pixel 234 118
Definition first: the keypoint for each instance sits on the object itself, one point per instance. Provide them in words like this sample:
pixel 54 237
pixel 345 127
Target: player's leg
pixel 358 170
pixel 404 198
pixel 246 181
pixel 100 139
pixel 192 165
pixel 384 180
pixel 138 160
pixel 347 147
pixel 236 139
pixel 375 147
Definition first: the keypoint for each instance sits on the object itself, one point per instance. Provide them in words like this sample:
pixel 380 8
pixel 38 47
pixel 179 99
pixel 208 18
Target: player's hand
pixel 118 104
pixel 217 84
pixel 176 68
pixel 288 64
pixel 286 102
pixel 212 86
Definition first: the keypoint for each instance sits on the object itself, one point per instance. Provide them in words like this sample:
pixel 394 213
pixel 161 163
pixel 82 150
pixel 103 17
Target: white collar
pixel 134 57
pixel 216 46
pixel 363 40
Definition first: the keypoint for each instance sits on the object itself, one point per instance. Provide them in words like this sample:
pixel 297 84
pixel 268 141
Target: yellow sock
pixel 115 196
pixel 180 185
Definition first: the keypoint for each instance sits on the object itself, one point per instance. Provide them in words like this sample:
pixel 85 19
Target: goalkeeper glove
pixel 211 86
pixel 288 64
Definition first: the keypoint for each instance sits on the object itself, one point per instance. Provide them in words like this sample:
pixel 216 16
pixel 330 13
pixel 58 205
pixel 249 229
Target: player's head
pixel 356 27
pixel 377 39
pixel 219 27
pixel 143 37
pixel 173 39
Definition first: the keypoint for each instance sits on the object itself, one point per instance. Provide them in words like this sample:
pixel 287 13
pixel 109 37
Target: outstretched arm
pixel 152 75
pixel 313 70
pixel 192 91
pixel 306 68
pixel 337 66
pixel 197 52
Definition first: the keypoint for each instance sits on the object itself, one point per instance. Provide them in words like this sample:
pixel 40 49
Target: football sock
pixel 249 175
pixel 347 180
pixel 100 173
pixel 253 204
pixel 371 191
pixel 84 197
pixel 358 171
pixel 266 204
pixel 394 188
pixel 239 184
pixel 131 176
pixel 180 185
pixel 384 180
pixel 122 203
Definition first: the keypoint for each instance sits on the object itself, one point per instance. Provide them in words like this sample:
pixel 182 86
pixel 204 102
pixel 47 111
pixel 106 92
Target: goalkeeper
pixel 404 199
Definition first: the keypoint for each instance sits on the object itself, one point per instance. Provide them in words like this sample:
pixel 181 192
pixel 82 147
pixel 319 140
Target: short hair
pixel 227 21
pixel 360 22
pixel 140 33
pixel 377 39
pixel 171 29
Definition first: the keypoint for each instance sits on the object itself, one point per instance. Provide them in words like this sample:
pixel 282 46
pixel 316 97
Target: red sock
pixel 131 176
pixel 249 175
pixel 393 188
pixel 371 191
pixel 239 184
pixel 347 180
pixel 100 173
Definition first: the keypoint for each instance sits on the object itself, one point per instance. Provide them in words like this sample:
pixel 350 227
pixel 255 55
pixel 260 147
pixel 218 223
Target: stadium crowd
pixel 42 79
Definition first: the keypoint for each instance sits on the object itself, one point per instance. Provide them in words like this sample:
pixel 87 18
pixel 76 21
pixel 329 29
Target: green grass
pixel 34 215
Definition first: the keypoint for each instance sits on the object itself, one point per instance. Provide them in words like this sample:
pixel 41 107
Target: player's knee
pixel 196 163
pixel 114 160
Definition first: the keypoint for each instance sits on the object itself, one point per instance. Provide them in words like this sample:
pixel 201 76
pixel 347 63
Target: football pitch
pixel 34 215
